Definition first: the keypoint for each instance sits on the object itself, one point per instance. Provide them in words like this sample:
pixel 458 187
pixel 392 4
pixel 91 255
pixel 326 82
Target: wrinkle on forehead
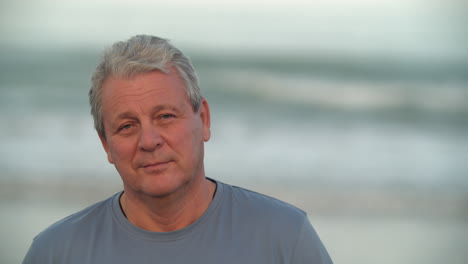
pixel 121 94
pixel 117 101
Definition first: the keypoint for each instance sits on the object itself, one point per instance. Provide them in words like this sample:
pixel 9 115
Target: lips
pixel 151 165
pixel 154 164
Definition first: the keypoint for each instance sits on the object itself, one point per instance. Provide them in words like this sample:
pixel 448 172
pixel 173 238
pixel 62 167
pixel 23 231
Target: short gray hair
pixel 141 54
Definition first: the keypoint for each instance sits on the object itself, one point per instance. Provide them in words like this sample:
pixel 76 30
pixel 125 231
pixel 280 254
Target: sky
pixel 403 28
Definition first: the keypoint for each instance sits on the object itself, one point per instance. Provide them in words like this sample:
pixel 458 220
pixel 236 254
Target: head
pixel 150 116
pixel 138 55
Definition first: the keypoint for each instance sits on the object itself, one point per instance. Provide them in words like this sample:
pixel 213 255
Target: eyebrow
pixel 162 107
pixel 156 109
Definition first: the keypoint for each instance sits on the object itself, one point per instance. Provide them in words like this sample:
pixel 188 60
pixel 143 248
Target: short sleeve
pixel 309 248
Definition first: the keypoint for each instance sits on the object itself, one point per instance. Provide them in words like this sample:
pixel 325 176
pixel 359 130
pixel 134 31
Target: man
pixel 153 122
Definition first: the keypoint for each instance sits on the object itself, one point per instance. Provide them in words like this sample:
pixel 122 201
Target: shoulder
pixel 281 225
pixel 263 208
pixel 58 236
pixel 273 225
pixel 79 219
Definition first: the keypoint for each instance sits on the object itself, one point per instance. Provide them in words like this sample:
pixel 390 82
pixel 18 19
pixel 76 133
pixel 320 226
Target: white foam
pixel 349 94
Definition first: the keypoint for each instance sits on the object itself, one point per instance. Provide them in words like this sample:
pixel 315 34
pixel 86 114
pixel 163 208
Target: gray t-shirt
pixel 239 226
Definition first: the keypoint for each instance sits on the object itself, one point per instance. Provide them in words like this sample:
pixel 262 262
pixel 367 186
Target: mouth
pixel 154 165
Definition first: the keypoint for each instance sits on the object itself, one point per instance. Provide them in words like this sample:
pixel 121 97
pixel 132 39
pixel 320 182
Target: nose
pixel 150 139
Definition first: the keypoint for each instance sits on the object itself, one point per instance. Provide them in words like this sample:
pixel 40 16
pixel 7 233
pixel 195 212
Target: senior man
pixel 152 121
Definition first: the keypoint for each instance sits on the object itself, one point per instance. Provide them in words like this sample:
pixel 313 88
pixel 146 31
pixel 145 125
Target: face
pixel 152 135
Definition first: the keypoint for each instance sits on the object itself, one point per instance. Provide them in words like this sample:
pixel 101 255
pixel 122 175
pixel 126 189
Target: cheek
pixel 197 143
pixel 187 141
pixel 196 135
pixel 121 150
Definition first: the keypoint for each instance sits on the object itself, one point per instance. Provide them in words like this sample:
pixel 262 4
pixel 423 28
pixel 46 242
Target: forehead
pixel 154 88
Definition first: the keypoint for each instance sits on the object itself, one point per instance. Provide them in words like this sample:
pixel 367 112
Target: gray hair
pixel 141 54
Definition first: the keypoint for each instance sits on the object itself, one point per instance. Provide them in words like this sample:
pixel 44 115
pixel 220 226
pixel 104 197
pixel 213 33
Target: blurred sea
pixel 374 148
pixel 334 120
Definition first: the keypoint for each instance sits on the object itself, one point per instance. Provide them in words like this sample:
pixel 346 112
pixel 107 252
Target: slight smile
pixel 151 167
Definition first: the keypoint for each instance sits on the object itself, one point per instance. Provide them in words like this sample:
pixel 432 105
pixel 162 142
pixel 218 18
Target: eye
pixel 125 127
pixel 167 116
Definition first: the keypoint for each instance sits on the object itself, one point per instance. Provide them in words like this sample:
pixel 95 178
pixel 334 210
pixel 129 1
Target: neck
pixel 171 213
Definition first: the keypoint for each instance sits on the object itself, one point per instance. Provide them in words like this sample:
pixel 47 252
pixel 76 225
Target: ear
pixel 106 148
pixel 205 118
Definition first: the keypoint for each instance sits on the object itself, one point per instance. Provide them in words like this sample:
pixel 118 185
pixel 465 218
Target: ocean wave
pixel 348 94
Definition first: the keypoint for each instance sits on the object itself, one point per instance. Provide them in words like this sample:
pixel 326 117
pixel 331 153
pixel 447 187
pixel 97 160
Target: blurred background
pixel 355 111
